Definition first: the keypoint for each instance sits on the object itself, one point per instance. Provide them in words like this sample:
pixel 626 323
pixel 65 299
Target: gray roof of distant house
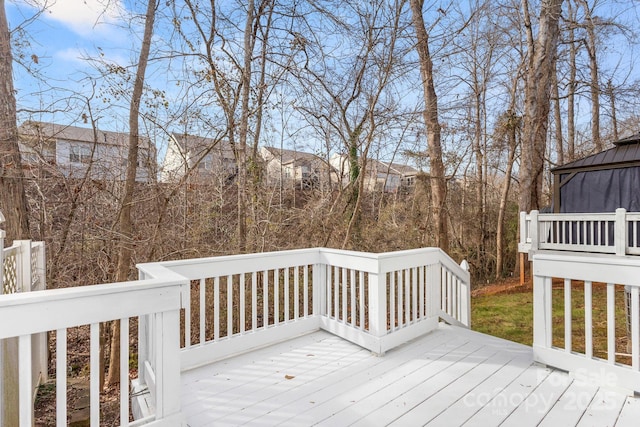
pixel 75 133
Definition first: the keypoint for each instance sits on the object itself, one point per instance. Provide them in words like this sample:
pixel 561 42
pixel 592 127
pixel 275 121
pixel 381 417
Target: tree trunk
pixel 511 127
pixel 571 88
pixel 557 117
pixel 537 101
pixel 13 203
pixel 594 86
pixel 125 223
pixel 430 114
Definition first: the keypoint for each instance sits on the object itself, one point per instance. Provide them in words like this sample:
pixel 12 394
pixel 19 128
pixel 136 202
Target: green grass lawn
pixel 510 316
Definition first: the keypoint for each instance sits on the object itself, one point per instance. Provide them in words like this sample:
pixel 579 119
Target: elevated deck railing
pixel 579 320
pixel 193 312
pixel 23 270
pixel 236 303
pixel 586 281
pixel 613 233
pixel 55 311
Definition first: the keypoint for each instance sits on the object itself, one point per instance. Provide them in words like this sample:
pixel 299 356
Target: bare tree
pixel 591 45
pixel 13 202
pixel 125 222
pixel 540 54
pixel 430 115
pixel 571 86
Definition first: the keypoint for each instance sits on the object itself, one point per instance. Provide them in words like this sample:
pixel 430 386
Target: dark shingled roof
pixel 625 152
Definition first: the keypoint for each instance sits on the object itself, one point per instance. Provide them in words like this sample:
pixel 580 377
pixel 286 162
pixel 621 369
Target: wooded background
pixel 483 96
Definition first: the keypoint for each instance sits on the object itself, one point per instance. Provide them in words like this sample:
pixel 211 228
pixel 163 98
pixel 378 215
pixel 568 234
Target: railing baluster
pixel 635 328
pixel 392 300
pixel 352 288
pixel 203 311
pixel 243 304
pixel 329 282
pixel 305 291
pixel 94 374
pixel 124 372
pixel 216 308
pixel 61 377
pixel 265 298
pixel 567 315
pixel 25 381
pixel 296 292
pixel 414 296
pixel 229 306
pixel 276 296
pixel 344 284
pixel 187 317
pixel 588 319
pixel 400 298
pixel 407 296
pixel 422 281
pixel 336 293
pixel 362 300
pixel 449 293
pixel 254 301
pixel 286 272
pixel 611 323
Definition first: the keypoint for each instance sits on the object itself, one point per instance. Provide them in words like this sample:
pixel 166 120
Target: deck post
pixel 534 231
pixel 167 340
pixel 541 312
pixel 465 296
pixel 23 265
pixel 378 308
pixel 620 233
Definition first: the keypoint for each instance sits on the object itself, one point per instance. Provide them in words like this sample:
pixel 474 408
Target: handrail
pixel 614 232
pixel 607 275
pixel 232 304
pixel 57 310
pixel 346 292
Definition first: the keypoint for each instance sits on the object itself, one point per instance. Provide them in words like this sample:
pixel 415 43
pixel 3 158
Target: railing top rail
pixel 605 268
pixel 363 261
pixel 37 311
pixel 232 264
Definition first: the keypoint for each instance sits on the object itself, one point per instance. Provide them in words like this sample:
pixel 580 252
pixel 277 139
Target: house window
pixel 206 163
pixel 79 154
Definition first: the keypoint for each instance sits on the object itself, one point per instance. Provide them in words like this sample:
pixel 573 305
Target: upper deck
pixel 449 377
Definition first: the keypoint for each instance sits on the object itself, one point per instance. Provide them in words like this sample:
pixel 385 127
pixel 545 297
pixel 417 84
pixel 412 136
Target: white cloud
pixel 85 17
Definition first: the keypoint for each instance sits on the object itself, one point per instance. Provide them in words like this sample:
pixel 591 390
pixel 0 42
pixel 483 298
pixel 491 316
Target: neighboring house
pixel 298 168
pixel 392 177
pixel 205 159
pixel 74 151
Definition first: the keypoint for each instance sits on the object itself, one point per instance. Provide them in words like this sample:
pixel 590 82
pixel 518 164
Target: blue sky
pixel 60 40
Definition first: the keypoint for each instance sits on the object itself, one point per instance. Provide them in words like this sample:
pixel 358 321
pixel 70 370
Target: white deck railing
pixel 236 303
pixel 193 312
pixel 55 311
pixel 590 255
pixel 607 275
pixel 614 233
pixel 23 270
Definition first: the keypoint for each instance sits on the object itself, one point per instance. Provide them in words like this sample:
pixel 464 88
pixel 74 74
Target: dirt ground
pixel 508 285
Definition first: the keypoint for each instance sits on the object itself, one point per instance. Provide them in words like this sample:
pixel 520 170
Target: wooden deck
pixel 449 377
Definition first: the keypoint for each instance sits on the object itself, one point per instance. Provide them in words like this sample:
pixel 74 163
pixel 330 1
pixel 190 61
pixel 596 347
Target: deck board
pixel 451 376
